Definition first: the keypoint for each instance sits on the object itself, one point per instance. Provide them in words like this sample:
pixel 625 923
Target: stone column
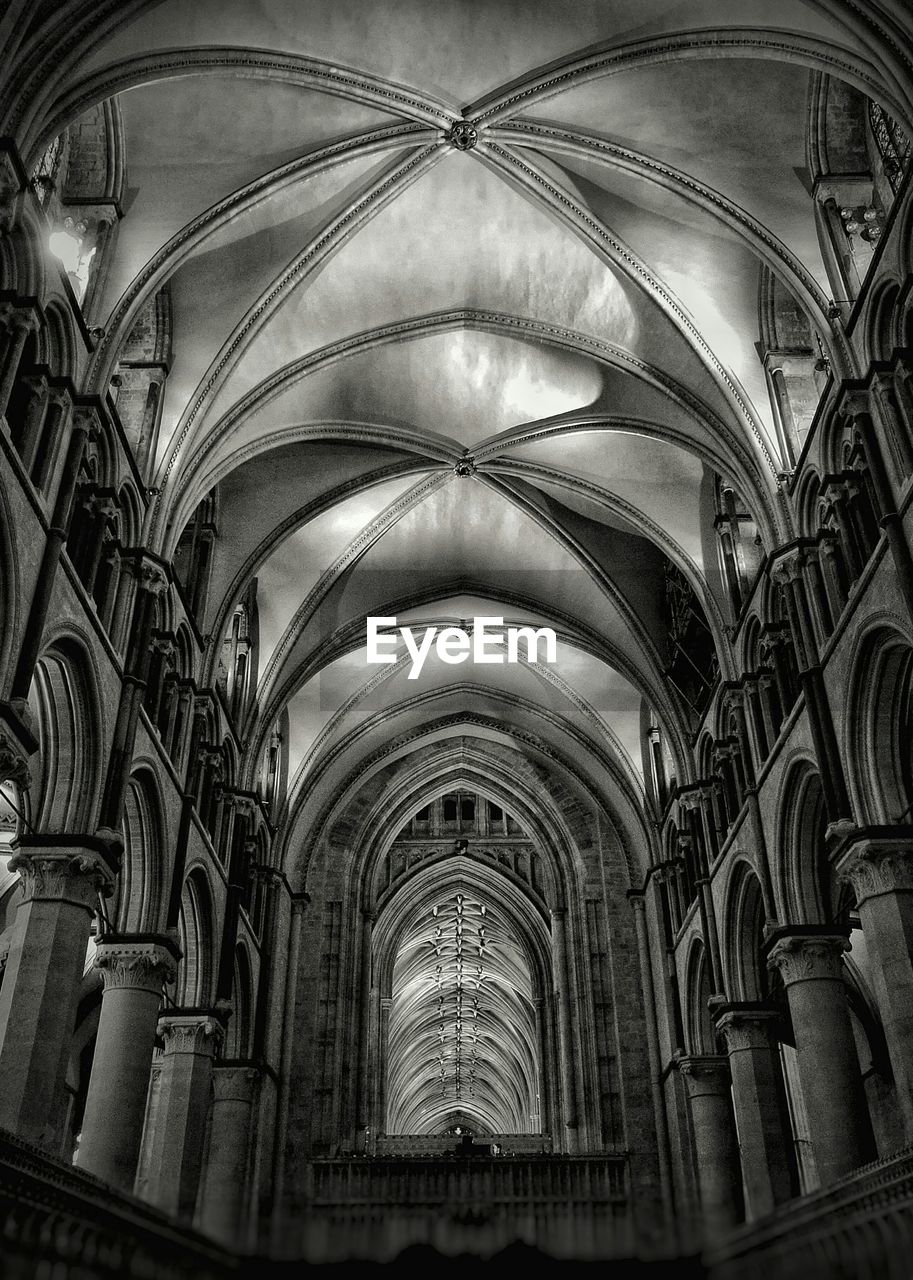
pixel 759 1100
pixel 192 1037
pixel 565 1031
pixel 61 883
pixel 134 970
pixel 788 570
pixel 225 1181
pixel 84 425
pixel 716 1152
pixel 809 961
pixel 17 324
pixel 638 906
pixel 879 866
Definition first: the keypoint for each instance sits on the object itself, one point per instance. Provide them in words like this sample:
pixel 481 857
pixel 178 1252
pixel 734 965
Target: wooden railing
pixel 860 1227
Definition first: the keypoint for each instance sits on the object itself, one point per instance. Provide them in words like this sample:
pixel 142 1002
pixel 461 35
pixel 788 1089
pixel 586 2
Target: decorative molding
pixel 463 136
pixel 679 47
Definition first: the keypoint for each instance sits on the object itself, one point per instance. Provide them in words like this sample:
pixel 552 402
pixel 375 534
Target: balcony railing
pixel 57 1221
pixel 860 1227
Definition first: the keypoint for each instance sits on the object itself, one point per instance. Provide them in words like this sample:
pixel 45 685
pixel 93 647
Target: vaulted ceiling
pixel 464 308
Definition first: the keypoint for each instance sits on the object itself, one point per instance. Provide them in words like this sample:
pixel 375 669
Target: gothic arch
pixel 238 1037
pixel 196 933
pixel 65 699
pixel 745 918
pixel 141 883
pixel 699 1033
pixel 805 881
pixel 879 727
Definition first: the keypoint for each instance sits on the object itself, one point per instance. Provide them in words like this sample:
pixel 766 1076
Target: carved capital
pixel 874 867
pixel 136 965
pixel 747 1028
pixel 13 764
pixel 18 320
pixel 58 874
pixel 10 191
pixel 704 1073
pixel 808 957
pixel 199 1032
pixel 696 797
pixel 235 1083
pixel 150 575
pixel 789 566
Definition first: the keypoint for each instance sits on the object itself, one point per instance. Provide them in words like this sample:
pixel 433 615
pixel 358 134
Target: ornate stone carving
pixel 874 869
pixel 150 575
pixel 191 1032
pixel 465 467
pixel 746 1029
pixel 801 958
pixel 136 966
pixel 63 875
pixel 789 566
pixel 704 1073
pixel 463 136
pixel 235 1084
pixel 13 765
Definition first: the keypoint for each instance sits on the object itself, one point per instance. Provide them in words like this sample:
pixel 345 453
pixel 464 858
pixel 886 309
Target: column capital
pixel 192 1030
pixel 746 1025
pixel 875 861
pixel 235 1082
pixel 150 575
pixel 789 563
pixel 54 869
pixel 18 741
pixel 13 763
pixel 138 962
pixel 704 1072
pixel 807 953
pixel 20 319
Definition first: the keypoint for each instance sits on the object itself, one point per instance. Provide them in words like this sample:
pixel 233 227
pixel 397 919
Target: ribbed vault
pixel 462 1027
